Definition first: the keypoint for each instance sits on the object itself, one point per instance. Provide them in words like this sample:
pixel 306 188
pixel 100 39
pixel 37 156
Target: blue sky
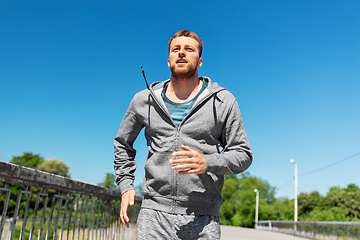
pixel 68 70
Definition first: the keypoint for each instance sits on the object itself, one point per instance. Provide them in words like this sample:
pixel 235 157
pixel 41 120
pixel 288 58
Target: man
pixel 195 135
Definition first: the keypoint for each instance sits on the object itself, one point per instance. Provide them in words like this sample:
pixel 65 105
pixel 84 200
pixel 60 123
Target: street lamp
pixel 295 200
pixel 256 207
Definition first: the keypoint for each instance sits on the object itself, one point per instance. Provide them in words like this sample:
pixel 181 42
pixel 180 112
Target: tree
pixel 349 202
pixel 54 166
pixel 340 204
pixel 35 161
pixel 329 214
pixel 307 203
pixel 238 207
pixel 281 209
pixel 109 181
pixel 230 199
pixel 352 188
pixel 333 191
pixel 28 160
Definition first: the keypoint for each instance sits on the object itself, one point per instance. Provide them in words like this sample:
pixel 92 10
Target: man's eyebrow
pixel 185 46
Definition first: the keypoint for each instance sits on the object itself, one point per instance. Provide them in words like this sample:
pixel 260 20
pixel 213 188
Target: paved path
pixel 238 233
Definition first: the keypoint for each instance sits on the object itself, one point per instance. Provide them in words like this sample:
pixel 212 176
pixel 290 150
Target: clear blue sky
pixel 68 70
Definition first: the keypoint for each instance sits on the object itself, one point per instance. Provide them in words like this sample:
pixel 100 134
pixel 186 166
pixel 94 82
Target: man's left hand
pixel 191 163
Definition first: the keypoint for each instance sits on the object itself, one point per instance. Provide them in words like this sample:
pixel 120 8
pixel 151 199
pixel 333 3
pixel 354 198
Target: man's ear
pixel 168 63
pixel 200 62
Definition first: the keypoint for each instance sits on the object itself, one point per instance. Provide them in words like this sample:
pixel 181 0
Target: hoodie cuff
pixel 126 185
pixel 214 164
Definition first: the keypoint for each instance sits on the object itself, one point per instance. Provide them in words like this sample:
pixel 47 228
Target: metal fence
pixel 40 205
pixel 314 230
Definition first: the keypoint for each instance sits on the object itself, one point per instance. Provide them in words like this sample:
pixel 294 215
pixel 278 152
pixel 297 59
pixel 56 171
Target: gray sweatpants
pixel 152 224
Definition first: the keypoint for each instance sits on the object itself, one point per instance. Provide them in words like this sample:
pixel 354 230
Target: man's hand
pixel 126 200
pixel 192 163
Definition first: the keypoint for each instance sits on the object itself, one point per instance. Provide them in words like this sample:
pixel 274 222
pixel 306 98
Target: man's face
pixel 184 59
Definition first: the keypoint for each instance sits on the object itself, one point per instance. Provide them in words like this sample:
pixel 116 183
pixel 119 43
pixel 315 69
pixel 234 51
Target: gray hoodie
pixel 213 127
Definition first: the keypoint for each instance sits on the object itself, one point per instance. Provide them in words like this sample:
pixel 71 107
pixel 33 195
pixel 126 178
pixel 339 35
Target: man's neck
pixel 182 90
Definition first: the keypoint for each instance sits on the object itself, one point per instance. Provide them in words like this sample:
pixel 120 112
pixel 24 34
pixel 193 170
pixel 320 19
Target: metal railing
pixel 314 230
pixel 40 205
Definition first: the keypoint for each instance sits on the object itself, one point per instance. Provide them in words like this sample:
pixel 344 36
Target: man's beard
pixel 183 73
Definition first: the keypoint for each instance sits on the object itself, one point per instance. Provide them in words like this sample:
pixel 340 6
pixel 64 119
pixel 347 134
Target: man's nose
pixel 182 52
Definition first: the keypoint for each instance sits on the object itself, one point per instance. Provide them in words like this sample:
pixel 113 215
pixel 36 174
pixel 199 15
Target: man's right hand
pixel 126 200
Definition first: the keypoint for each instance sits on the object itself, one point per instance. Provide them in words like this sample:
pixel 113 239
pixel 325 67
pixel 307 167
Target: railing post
pixel 270 229
pixel 89 219
pixel 17 207
pixel 9 230
pixel 6 204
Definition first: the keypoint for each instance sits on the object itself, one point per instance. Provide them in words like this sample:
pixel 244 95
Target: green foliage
pixel 308 202
pixel 27 160
pixel 12 201
pixel 238 208
pixel 333 191
pixel 352 188
pixel 349 202
pixel 30 160
pixel 331 214
pixel 281 209
pixel 230 195
pixel 17 231
pixel 54 166
pixel 109 181
pixel 339 204
pixel 13 198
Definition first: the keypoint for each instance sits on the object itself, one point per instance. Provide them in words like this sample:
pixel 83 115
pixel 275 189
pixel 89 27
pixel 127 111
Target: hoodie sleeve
pixel 236 156
pixel 124 153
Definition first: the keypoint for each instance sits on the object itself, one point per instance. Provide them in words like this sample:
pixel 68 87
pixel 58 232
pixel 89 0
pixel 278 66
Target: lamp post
pixel 256 207
pixel 295 199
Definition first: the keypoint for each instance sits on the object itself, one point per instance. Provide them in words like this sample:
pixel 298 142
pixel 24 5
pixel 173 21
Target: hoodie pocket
pixel 158 175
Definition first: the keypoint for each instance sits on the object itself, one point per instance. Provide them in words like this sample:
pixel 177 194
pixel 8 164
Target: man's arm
pixel 124 159
pixel 124 153
pixel 237 155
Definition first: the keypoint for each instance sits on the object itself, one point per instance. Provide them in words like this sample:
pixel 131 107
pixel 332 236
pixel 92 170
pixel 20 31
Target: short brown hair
pixel 187 33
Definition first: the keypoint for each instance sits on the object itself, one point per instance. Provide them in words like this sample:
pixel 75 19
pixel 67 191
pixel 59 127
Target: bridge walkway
pixel 239 233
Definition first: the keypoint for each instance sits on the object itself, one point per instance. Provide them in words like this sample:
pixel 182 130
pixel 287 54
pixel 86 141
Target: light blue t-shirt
pixel 179 110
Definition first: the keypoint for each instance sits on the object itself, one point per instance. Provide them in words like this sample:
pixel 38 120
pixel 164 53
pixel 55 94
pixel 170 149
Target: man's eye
pixel 190 49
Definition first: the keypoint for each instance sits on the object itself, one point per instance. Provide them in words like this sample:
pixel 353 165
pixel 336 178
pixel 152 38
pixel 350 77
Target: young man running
pixel 195 135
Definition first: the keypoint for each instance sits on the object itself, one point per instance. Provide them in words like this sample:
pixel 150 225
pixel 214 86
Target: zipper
pixel 177 130
pixel 175 172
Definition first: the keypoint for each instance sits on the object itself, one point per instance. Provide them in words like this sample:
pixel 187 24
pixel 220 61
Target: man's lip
pixel 181 61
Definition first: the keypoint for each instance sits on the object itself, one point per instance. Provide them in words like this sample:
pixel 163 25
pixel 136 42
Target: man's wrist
pixel 126 185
